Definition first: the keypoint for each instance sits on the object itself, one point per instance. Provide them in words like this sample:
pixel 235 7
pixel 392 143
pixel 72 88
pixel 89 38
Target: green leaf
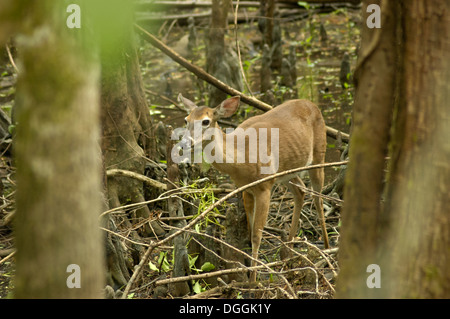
pixel 192 261
pixel 11 128
pixel 197 288
pixel 304 4
pixel 152 266
pixel 165 266
pixel 207 266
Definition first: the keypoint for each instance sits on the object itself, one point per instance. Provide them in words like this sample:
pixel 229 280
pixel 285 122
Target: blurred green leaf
pixel 207 266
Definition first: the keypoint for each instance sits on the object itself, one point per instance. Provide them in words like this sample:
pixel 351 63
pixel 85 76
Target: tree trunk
pixel 57 153
pixel 237 235
pixel 175 208
pixel 368 148
pixel 404 71
pixel 215 64
pixel 416 253
pixel 125 119
pixel 125 116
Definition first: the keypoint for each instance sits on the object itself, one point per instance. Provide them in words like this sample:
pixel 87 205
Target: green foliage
pixel 200 285
pixel 206 198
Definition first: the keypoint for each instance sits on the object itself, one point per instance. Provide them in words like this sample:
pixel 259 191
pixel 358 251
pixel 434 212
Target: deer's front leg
pixel 259 217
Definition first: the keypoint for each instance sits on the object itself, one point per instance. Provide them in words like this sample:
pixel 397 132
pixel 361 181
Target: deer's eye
pixel 185 121
pixel 206 122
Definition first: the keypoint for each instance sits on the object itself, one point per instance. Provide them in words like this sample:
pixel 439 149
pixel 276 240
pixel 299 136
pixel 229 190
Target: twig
pixel 330 251
pixel 6 252
pixel 7 257
pixel 123 237
pixel 11 58
pixel 311 264
pixel 134 205
pixel 142 178
pixel 164 196
pixel 215 273
pixel 165 98
pixel 313 192
pixel 323 256
pixel 306 268
pixel 225 244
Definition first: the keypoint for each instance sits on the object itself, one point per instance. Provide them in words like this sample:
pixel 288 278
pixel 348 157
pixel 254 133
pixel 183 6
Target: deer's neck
pixel 222 150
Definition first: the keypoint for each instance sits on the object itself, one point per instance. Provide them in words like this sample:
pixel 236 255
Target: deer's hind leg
pixel 299 196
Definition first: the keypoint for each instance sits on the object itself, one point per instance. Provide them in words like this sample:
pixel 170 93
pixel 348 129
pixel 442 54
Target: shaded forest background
pixel 128 90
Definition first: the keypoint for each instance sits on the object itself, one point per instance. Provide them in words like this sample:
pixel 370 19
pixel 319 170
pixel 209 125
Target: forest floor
pixel 311 272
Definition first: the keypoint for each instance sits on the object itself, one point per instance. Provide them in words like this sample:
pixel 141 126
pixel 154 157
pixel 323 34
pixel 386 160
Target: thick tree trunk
pixel 125 116
pixel 215 63
pixel 126 126
pixel 58 162
pixel 416 253
pixel 407 237
pixel 372 111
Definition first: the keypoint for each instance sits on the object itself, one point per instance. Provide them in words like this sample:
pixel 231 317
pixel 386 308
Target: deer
pixel 301 132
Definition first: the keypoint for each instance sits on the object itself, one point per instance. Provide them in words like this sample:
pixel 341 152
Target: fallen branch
pixel 139 177
pixel 202 74
pixel 199 72
pixel 215 273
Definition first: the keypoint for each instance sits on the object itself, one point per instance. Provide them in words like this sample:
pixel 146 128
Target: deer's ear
pixel 228 107
pixel 187 104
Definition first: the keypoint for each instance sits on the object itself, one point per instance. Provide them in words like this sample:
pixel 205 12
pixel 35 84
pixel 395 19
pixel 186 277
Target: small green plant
pixel 198 286
pixel 163 263
pixel 206 198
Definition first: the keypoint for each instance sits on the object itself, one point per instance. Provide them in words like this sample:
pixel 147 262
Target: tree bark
pixel 407 237
pixel 237 235
pixel 175 208
pixel 368 148
pixel 416 252
pixel 126 125
pixel 58 161
pixel 125 116
pixel 215 64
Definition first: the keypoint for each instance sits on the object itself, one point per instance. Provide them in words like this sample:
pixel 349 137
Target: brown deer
pixel 297 134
